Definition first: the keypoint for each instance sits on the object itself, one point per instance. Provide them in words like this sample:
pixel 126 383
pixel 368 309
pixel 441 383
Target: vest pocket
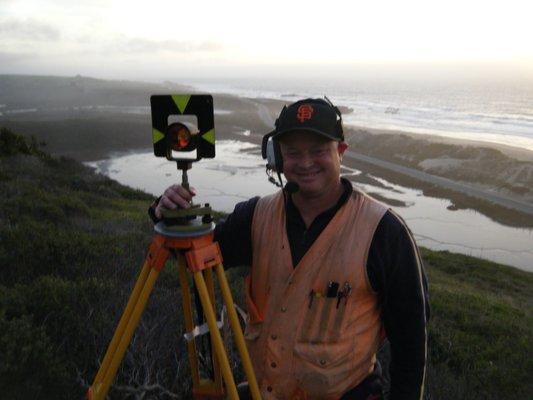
pixel 322 368
pixel 324 356
pixel 323 320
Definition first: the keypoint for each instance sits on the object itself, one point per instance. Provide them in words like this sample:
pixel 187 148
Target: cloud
pixel 28 29
pixel 9 57
pixel 141 45
pixel 18 63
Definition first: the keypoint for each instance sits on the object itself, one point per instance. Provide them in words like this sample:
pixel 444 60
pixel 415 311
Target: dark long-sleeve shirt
pixel 394 270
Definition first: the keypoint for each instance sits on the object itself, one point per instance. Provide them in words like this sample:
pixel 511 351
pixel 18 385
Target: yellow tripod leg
pixel 208 277
pixel 213 328
pixel 111 348
pixel 188 317
pixel 100 392
pixel 237 331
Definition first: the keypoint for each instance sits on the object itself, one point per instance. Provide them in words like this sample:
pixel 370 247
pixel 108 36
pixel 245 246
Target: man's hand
pixel 175 196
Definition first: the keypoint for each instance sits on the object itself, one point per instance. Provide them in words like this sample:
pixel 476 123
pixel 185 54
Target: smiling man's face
pixel 312 161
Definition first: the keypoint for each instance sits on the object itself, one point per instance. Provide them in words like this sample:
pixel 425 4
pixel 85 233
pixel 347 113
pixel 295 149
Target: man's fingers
pixel 164 203
pixel 175 191
pixel 175 196
pixel 169 204
pixel 180 200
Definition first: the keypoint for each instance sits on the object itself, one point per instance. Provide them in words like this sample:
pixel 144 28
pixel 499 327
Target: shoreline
pixel 519 153
pixel 89 136
pixel 515 152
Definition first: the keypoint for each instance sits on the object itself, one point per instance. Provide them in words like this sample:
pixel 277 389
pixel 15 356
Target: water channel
pixel 238 173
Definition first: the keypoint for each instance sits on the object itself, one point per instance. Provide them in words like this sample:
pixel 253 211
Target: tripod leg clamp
pixel 204 328
pixel 199 259
pixel 158 253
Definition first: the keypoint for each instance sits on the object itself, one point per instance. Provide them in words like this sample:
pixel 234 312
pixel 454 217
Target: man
pixel 332 272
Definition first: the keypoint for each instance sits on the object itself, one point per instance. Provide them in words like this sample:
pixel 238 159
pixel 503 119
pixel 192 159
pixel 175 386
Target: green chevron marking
pixel 181 101
pixel 209 136
pixel 156 135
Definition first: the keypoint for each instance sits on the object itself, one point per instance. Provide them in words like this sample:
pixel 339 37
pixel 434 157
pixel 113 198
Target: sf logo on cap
pixel 305 112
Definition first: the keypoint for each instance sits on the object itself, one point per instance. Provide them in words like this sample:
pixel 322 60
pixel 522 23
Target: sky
pixel 162 39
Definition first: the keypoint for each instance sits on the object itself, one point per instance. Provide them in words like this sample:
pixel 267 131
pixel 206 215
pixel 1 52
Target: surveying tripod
pixel 191 241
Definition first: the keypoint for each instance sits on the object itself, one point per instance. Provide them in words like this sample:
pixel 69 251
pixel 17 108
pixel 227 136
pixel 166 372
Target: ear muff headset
pixel 271 151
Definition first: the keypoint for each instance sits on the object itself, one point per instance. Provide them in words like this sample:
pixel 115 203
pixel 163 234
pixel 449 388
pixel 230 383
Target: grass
pixel 481 328
pixel 71 245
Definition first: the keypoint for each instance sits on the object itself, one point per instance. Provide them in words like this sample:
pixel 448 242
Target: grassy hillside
pixel 481 341
pixel 72 242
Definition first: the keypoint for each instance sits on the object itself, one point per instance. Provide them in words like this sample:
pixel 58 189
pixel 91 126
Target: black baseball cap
pixel 314 115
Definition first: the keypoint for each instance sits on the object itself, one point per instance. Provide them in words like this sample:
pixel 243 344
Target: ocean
pixel 487 111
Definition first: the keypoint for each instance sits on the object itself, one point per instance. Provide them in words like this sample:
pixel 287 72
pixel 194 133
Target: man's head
pixel 312 115
pixel 310 140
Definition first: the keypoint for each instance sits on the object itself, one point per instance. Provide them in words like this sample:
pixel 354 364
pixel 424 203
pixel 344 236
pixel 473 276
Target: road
pixel 446 183
pixel 265 115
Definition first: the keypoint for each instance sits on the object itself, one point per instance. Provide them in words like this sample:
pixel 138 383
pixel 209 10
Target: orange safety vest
pixel 303 348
